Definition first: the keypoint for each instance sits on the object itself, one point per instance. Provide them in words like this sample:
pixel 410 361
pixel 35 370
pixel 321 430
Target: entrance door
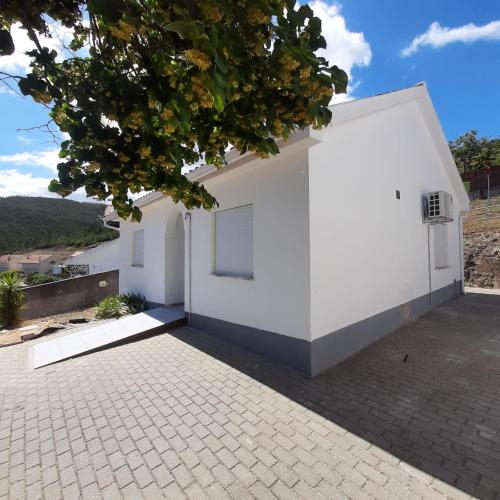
pixel 174 263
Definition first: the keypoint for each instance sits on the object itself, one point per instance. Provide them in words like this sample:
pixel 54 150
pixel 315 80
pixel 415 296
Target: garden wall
pixel 68 295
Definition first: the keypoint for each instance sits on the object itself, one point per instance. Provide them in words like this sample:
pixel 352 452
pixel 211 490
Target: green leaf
pixel 192 30
pixel 217 92
pixel 6 43
pixel 339 79
pixel 31 84
pixel 109 10
pixel 304 12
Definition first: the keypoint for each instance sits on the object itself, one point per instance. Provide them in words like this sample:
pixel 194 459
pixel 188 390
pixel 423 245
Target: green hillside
pixel 28 223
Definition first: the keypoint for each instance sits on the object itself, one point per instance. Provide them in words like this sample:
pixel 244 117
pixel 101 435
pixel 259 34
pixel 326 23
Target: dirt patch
pixel 482 244
pixel 34 328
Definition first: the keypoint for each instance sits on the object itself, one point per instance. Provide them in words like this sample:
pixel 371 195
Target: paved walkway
pixel 186 415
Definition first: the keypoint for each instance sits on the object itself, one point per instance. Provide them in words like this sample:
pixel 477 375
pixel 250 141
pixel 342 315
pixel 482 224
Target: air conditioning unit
pixel 438 207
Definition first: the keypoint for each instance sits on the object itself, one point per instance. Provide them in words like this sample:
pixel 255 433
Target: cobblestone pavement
pixel 187 415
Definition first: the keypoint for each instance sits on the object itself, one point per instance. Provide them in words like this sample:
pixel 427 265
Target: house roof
pixel 342 112
pixel 32 258
pixel 24 258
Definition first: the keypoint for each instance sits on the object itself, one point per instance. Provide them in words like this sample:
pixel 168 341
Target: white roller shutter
pixel 138 250
pixel 234 242
pixel 440 246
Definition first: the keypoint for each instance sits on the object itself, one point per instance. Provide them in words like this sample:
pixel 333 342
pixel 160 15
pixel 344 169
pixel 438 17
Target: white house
pixel 318 252
pixel 27 263
pixel 101 258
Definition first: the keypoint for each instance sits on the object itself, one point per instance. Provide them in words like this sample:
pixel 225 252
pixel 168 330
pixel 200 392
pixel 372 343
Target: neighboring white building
pixel 317 252
pixel 103 257
pixel 26 263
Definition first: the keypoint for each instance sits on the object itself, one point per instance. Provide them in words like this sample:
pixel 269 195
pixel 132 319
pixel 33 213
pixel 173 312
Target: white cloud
pixel 47 159
pixel 344 48
pixel 438 36
pixel 24 139
pixel 4 89
pixel 19 61
pixel 13 182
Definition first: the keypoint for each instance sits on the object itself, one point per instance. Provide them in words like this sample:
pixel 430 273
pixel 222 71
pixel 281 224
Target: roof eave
pixel 299 140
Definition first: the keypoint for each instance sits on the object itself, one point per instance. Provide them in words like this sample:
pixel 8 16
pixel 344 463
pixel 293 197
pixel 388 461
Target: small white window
pixel 440 246
pixel 138 249
pixel 234 242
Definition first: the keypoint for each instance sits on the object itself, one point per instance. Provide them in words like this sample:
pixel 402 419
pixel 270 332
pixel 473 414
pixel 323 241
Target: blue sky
pixel 453 45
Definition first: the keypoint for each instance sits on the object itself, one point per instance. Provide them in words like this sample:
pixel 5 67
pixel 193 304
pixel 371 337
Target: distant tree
pixel 152 85
pixel 472 153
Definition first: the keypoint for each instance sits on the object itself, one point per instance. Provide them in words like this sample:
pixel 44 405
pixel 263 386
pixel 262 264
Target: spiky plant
pixel 112 307
pixel 11 298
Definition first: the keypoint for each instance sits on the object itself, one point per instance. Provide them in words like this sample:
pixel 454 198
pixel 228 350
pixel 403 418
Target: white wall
pixel 369 249
pixel 277 299
pixel 148 280
pixel 103 257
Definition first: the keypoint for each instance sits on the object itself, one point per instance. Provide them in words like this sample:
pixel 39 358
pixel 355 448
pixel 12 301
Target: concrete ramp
pixel 99 336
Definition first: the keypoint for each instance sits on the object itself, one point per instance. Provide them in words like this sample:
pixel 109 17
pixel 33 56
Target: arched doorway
pixel 174 260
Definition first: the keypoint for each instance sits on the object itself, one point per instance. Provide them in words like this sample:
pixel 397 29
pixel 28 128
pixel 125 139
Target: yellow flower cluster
pixel 205 100
pixel 305 72
pixel 123 31
pixel 94 166
pixel 41 97
pixel 136 119
pixel 59 116
pixel 256 16
pixel 210 11
pixel 289 62
pixel 167 114
pixel 198 58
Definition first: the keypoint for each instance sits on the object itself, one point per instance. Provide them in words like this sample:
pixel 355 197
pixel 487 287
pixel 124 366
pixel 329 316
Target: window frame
pixel 245 277
pixel 445 249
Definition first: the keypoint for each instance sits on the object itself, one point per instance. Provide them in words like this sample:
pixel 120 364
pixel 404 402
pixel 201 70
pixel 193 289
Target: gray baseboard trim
pixel 153 305
pixel 312 358
pixel 281 348
pixel 331 349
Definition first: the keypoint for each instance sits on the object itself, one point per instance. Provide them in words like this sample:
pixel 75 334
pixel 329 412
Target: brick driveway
pixel 186 415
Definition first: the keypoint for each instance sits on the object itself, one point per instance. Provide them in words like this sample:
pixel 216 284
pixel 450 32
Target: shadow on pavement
pixel 428 394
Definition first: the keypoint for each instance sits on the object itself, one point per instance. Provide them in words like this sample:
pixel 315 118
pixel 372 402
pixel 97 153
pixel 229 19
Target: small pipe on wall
pixel 187 216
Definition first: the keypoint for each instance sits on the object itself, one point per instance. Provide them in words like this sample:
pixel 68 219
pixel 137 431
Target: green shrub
pixel 112 307
pixel 135 302
pixel 39 279
pixel 11 298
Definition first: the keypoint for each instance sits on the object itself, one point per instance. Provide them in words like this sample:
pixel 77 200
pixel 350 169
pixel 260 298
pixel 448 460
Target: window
pixel 138 249
pixel 440 246
pixel 234 242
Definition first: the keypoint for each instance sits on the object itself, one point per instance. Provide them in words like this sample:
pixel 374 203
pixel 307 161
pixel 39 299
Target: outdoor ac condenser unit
pixel 438 207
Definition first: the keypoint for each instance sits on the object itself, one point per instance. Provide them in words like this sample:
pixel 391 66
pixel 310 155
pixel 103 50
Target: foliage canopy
pixel 28 223
pixel 472 153
pixel 153 85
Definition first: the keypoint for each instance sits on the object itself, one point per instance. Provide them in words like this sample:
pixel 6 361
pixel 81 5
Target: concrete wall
pixel 277 298
pixel 67 295
pixel 369 249
pixel 42 267
pixel 150 279
pixel 103 257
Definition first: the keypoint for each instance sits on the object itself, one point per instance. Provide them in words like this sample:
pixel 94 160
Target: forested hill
pixel 28 223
